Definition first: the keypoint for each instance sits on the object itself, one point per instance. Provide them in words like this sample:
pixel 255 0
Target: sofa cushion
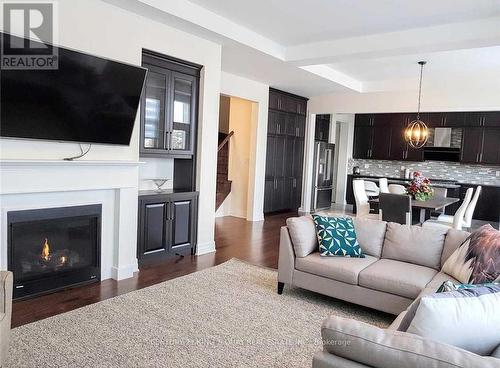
pixel 439 279
pixel 337 268
pixel 337 237
pixel 466 318
pixel 414 244
pixel 379 348
pixel 395 277
pixel 496 352
pixel 454 238
pixel 371 234
pixel 477 260
pixel 303 234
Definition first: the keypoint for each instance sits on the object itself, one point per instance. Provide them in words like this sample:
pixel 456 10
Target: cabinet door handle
pixel 172 211
pixel 297 131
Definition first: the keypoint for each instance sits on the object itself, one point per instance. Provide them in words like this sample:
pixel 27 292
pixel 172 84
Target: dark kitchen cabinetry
pixel 381 136
pixel 285 151
pixel 480 145
pixel 169 107
pixel 167 225
pixel 322 128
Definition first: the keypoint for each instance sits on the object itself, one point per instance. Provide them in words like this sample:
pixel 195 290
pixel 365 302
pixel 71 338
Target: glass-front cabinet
pixel 168 109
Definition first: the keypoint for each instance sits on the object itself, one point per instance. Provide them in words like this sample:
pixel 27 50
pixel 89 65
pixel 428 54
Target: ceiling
pixel 316 47
pixel 292 22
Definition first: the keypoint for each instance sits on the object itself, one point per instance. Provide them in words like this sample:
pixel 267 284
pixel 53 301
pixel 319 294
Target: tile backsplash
pixel 471 174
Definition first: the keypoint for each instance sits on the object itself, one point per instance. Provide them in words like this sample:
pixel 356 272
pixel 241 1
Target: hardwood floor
pixel 254 242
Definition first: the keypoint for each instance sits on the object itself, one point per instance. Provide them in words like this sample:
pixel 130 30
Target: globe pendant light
pixel 417 133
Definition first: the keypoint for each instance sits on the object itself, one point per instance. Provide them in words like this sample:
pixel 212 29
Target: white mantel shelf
pixel 6 163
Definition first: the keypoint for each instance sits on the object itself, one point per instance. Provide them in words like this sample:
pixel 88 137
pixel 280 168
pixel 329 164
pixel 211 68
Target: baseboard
pixel 124 272
pixel 204 248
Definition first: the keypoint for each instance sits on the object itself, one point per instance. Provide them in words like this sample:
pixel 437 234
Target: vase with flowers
pixel 420 187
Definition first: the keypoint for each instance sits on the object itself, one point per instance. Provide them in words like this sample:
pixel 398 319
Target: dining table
pixel 430 205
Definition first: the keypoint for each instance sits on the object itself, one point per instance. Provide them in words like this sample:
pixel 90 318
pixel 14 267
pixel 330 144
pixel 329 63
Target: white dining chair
pixel 383 185
pixel 362 204
pixel 469 212
pixel 458 217
pixel 371 188
pixel 397 189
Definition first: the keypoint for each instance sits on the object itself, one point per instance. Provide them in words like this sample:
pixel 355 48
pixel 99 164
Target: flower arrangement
pixel 420 187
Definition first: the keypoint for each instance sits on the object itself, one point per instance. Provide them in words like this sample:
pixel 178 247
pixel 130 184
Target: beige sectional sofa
pixel 402 263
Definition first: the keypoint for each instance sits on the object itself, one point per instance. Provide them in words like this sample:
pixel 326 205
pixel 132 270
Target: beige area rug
pixel 225 316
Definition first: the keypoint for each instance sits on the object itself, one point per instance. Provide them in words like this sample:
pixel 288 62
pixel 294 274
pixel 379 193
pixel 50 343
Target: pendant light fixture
pixel 417 133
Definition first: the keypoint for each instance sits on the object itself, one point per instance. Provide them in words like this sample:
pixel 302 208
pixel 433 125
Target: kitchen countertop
pixel 164 191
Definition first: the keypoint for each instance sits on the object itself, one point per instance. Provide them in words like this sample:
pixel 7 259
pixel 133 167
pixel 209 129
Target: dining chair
pixel 395 208
pixel 397 189
pixel 458 217
pixel 383 185
pixel 440 193
pixel 362 204
pixel 371 188
pixel 469 212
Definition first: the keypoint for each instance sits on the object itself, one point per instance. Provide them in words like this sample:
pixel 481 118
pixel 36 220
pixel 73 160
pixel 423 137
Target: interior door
pixel 183 111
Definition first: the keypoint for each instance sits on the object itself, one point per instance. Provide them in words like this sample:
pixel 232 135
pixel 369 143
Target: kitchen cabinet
pixel 285 151
pixel 168 107
pixel 322 128
pixel 166 225
pixel 381 136
pixel 480 145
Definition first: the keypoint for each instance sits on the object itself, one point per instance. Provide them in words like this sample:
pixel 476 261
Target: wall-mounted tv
pixel 86 99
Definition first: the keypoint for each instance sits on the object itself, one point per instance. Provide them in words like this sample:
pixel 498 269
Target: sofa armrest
pixel 379 348
pixel 6 292
pixel 6 281
pixel 286 258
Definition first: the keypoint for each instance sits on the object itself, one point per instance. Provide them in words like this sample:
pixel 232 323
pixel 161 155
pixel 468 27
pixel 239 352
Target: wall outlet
pixel 497 174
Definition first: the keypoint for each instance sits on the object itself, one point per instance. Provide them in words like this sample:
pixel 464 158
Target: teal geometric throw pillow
pixel 337 237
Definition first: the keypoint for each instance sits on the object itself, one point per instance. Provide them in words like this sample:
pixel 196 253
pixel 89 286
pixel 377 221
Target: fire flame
pixel 45 250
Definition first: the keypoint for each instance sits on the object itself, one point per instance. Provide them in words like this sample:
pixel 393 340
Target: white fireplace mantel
pixel 31 184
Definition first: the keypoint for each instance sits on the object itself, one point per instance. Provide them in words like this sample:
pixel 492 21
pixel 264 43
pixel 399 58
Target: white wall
pixel 240 121
pixel 233 85
pixel 102 29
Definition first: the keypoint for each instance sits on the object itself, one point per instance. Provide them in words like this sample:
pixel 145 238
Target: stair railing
pixel 224 142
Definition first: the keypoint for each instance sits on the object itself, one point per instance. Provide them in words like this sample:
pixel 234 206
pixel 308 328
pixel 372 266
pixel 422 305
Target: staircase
pixel 223 187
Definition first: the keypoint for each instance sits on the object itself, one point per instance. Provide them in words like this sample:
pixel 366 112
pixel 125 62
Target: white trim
pixel 205 248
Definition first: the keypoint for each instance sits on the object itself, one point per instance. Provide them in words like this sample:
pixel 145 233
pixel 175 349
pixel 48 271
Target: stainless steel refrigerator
pixel 322 175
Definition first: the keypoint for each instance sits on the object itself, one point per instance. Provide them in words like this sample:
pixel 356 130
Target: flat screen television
pixel 87 99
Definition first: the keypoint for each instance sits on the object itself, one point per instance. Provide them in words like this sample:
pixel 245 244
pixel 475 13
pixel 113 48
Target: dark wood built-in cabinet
pixel 381 136
pixel 167 225
pixel 285 151
pixel 169 107
pixel 322 128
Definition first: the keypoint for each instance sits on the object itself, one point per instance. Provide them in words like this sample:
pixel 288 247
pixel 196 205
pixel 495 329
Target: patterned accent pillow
pixel 337 237
pixel 477 260
pixel 450 286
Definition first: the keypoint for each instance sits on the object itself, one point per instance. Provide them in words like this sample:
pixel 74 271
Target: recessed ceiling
pixel 292 22
pixel 439 65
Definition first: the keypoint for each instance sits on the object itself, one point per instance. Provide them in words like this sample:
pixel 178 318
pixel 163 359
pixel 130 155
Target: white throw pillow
pixel 467 318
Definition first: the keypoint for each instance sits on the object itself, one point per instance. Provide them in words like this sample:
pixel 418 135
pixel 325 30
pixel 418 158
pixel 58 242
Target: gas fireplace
pixel 53 248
